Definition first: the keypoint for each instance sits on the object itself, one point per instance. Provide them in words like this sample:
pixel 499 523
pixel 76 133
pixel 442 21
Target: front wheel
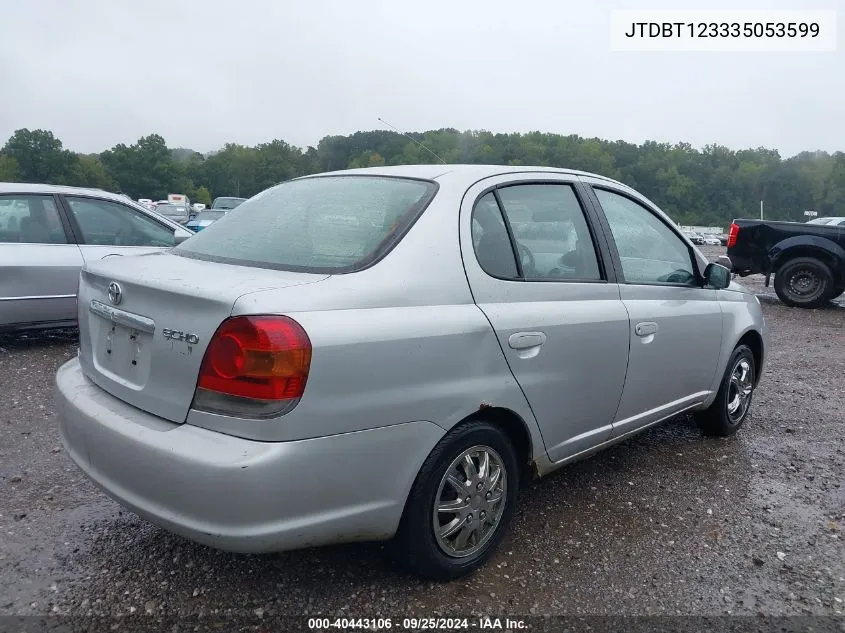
pixel 732 403
pixel 460 504
pixel 804 282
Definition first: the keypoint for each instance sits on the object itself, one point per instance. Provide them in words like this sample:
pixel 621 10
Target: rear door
pixel 106 228
pixel 39 263
pixel 676 323
pixel 555 307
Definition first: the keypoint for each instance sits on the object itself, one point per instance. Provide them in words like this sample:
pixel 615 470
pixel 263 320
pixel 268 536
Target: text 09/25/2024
pixel 416 624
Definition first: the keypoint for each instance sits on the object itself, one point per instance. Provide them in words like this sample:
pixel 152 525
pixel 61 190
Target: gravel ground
pixel 667 523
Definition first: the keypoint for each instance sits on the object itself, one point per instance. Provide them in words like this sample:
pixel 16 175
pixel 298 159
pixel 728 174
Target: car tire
pixel 728 411
pixel 417 544
pixel 804 282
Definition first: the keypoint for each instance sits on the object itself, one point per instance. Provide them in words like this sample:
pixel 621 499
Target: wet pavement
pixel 667 523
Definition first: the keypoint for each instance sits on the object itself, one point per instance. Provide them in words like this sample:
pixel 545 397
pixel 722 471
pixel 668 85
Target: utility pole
pixel 761 209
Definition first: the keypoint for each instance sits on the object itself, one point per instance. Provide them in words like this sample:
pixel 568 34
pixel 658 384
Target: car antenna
pixel 414 140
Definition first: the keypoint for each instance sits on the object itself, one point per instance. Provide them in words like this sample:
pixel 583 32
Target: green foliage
pixel 88 171
pixel 145 169
pixel 708 186
pixel 9 170
pixel 40 156
pixel 202 196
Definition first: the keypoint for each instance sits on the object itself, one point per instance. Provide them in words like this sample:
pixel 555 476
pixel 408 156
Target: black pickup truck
pixel 807 260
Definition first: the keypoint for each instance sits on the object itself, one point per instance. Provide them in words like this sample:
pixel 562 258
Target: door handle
pixel 525 340
pixel 646 328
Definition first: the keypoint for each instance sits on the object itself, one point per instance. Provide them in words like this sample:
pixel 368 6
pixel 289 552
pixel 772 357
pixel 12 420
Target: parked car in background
pixel 145 202
pixel 179 199
pixel 711 240
pixel 205 219
pixel 388 326
pixel 194 210
pixel 48 232
pixel 807 259
pixel 831 221
pixel 227 203
pixel 177 213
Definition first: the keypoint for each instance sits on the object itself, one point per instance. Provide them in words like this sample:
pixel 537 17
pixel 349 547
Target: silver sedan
pixel 390 353
pixel 48 232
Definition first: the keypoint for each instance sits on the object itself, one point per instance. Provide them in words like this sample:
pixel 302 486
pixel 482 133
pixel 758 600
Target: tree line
pixel 708 186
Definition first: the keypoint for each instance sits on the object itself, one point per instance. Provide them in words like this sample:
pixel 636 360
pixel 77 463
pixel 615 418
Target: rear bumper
pixel 236 494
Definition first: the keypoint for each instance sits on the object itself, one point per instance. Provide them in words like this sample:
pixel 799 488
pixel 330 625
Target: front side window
pixel 551 232
pixel 30 219
pixel 107 223
pixel 320 224
pixel 650 252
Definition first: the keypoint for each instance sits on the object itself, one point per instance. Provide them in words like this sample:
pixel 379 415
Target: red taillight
pixel 732 234
pixel 263 358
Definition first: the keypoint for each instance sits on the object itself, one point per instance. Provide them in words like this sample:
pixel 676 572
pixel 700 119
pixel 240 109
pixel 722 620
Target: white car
pixel 712 241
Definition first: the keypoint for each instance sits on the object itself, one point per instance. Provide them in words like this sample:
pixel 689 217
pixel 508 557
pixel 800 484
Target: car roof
pixel 28 187
pixel 469 173
pixel 35 188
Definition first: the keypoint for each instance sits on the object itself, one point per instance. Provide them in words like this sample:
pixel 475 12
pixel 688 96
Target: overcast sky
pixel 205 72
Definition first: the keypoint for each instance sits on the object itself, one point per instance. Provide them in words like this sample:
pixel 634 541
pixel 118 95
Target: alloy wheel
pixel 470 501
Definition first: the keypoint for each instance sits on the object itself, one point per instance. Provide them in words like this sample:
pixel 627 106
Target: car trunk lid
pixel 145 323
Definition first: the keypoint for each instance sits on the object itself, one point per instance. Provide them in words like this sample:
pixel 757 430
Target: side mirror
pixel 717 276
pixel 180 237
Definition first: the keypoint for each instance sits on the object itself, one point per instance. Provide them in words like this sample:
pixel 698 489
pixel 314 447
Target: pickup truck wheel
pixel 461 503
pixel 804 282
pixel 732 403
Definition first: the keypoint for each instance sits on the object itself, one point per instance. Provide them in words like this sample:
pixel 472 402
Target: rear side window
pixel 490 239
pixel 30 219
pixel 551 232
pixel 107 223
pixel 324 224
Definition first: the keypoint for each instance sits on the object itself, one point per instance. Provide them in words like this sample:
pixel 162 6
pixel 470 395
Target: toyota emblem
pixel 115 293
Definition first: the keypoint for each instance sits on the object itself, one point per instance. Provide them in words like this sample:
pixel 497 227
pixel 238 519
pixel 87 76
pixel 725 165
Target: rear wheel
pixel 804 282
pixel 730 408
pixel 461 503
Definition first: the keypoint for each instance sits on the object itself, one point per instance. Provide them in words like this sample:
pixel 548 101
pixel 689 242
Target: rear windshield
pixel 325 224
